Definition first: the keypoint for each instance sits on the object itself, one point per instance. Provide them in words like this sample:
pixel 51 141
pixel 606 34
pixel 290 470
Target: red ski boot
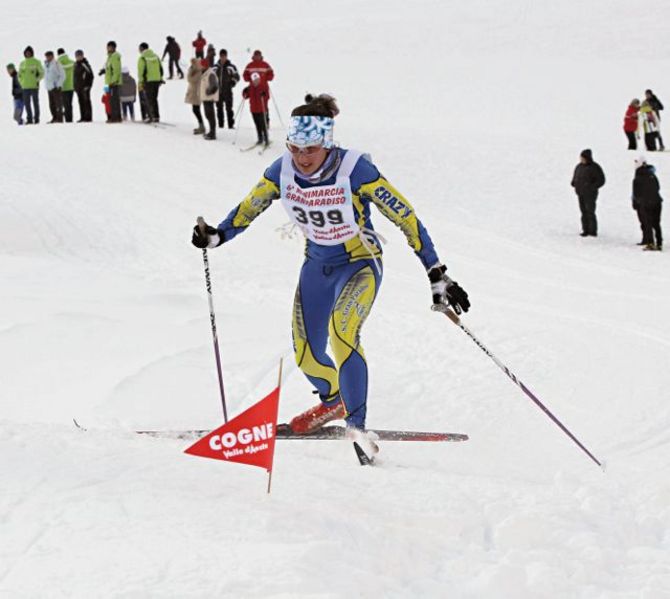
pixel 314 418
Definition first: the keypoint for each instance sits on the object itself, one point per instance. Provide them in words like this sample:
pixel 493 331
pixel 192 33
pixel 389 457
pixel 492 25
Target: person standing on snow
pixel 199 44
pixel 656 106
pixel 53 79
pixel 327 192
pixel 630 123
pixel 30 75
pixel 173 50
pixel 228 76
pixel 83 81
pixel 68 86
pixel 648 202
pixel 209 95
pixel 17 94
pixel 649 126
pixel 193 77
pixel 258 94
pixel 587 180
pixel 114 81
pixel 128 95
pixel 150 78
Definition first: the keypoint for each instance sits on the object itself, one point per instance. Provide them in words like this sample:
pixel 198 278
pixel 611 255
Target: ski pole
pixel 212 320
pixel 274 102
pixel 237 122
pixel 457 321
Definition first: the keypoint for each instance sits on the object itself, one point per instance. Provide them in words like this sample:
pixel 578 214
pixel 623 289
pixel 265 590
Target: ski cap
pixel 640 160
pixel 306 131
pixel 11 66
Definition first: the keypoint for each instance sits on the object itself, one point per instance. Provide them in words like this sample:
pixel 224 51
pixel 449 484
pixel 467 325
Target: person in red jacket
pixel 258 94
pixel 630 123
pixel 199 44
pixel 258 65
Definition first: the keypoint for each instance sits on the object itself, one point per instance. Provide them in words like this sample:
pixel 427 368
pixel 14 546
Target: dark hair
pixel 60 51
pixel 29 49
pixel 48 53
pixel 222 51
pixel 144 46
pixel 112 43
pixel 321 105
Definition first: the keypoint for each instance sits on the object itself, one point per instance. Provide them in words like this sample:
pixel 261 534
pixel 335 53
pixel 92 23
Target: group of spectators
pixel 645 117
pixel 211 78
pixel 588 178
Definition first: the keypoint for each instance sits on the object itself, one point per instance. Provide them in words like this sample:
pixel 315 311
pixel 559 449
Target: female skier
pixel 327 192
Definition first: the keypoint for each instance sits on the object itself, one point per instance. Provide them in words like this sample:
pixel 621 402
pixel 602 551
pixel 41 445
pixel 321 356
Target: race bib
pixel 324 213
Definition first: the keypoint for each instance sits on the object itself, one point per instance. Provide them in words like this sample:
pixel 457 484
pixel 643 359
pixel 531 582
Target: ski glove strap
pixel 445 291
pixel 210 239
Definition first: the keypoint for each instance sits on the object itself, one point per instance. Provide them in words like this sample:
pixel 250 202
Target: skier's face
pixel 310 162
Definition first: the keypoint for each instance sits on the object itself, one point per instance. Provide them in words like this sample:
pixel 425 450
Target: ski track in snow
pixel 477 112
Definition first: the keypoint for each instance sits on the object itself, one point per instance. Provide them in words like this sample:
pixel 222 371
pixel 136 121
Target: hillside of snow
pixel 477 112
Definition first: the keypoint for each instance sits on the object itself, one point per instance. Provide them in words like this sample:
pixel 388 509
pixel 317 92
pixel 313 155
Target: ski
pixel 363 458
pixel 265 147
pixel 250 148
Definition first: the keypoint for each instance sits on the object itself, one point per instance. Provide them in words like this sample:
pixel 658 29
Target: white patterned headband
pixel 306 131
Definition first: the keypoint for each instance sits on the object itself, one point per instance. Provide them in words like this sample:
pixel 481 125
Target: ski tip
pixel 79 426
pixel 363 458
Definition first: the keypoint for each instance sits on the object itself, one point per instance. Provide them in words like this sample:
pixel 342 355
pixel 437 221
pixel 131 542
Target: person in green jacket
pixel 68 87
pixel 114 80
pixel 149 79
pixel 31 73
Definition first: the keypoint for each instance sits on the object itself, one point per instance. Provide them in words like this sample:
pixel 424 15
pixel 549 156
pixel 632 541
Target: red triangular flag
pixel 248 438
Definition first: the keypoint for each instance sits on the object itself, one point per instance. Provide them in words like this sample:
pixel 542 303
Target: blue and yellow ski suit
pixel 338 283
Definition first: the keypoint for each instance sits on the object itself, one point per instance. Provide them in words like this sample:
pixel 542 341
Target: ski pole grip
pixel 450 314
pixel 201 224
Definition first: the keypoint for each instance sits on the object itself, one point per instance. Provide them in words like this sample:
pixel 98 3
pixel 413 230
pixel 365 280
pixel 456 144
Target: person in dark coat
pixel 228 76
pixel 83 81
pixel 656 106
pixel 647 201
pixel 173 50
pixel 587 180
pixel 17 93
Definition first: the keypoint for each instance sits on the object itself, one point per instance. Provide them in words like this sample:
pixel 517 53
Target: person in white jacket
pixel 54 78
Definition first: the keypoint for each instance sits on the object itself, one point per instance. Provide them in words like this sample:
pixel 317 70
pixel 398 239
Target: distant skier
pixel 656 106
pixel 17 94
pixel 630 123
pixel 114 81
pixel 228 76
pixel 647 201
pixel 173 51
pixel 649 126
pixel 199 44
pixel 209 95
pixel 193 77
pixel 54 78
pixel 258 94
pixel 83 82
pixel 150 78
pixel 327 192
pixel 68 85
pixel 128 95
pixel 258 65
pixel 31 73
pixel 587 180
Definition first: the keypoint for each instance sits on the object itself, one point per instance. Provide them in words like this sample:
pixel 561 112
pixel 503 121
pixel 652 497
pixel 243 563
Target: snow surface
pixel 477 111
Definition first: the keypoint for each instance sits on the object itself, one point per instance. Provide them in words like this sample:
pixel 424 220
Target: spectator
pixel 68 86
pixel 83 81
pixel 199 44
pixel 53 79
pixel 647 201
pixel 150 78
pixel 587 180
pixel 630 123
pixel 228 77
pixel 211 55
pixel 173 51
pixel 107 101
pixel 113 80
pixel 209 95
pixel 656 106
pixel 258 65
pixel 193 77
pixel 17 93
pixel 649 126
pixel 128 95
pixel 30 75
pixel 258 93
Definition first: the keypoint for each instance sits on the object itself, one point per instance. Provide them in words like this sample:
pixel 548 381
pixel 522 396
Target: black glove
pixel 209 238
pixel 101 72
pixel 446 291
